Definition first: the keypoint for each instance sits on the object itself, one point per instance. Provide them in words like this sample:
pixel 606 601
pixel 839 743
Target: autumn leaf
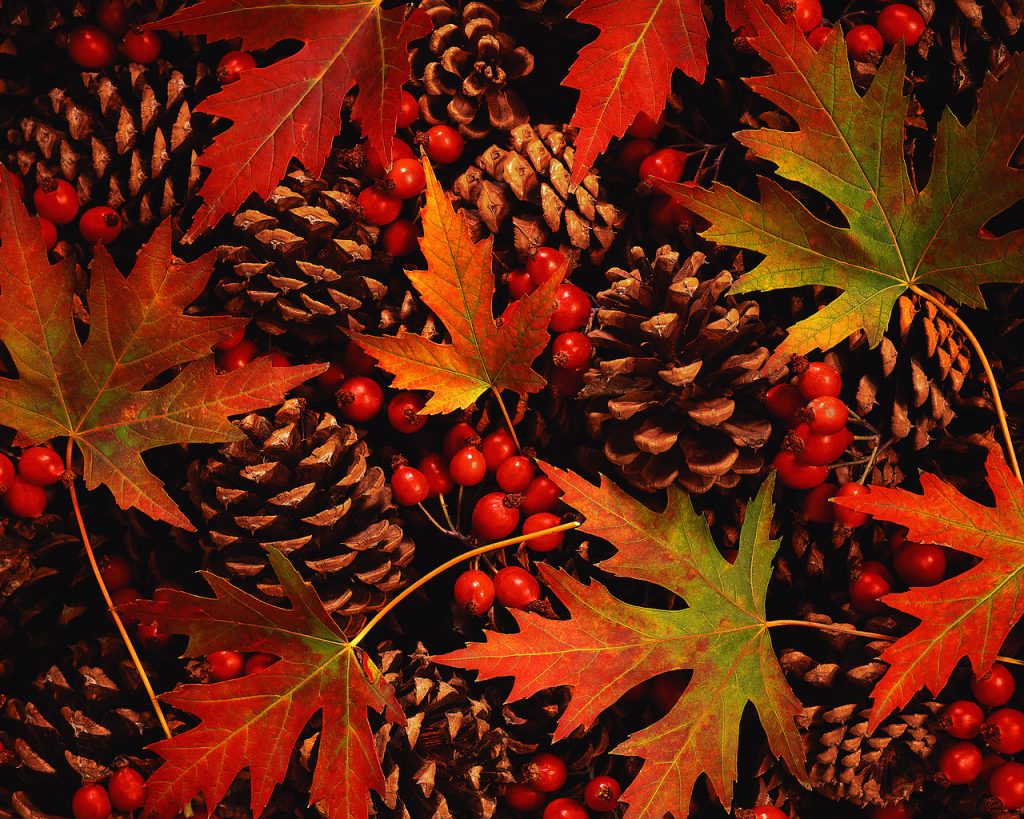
pixel 968 615
pixel 293 107
pixel 628 68
pixel 850 149
pixel 95 393
pixel 458 286
pixel 607 646
pixel 255 721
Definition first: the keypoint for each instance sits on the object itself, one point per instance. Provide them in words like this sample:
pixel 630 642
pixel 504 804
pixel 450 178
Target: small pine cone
pixel 302 482
pixel 847 762
pixel 673 391
pixel 468 68
pixel 524 190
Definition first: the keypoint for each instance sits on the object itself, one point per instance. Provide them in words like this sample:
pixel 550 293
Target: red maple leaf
pixel 628 68
pixel 293 107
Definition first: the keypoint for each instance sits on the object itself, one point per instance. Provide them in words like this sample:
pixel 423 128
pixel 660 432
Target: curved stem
pixel 508 418
pixel 1000 412
pixel 110 603
pixel 447 516
pixel 455 561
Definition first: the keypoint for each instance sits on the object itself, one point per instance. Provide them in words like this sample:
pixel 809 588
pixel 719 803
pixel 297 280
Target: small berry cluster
pixel 864 42
pixel 916 564
pixel 125 792
pixel 93 47
pixel 237 350
pixel 23 488
pixel 116 572
pixel 547 773
pixel 56 205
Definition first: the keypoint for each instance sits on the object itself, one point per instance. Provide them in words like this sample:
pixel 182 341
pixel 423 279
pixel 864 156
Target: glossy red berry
pixel 444 144
pixel 90 47
pixel 231 341
pixel 664 163
pixel 378 208
pixel 602 794
pixel 864 43
pixel 238 356
pixel 408 110
pixel 848 517
pixel 1007 785
pixel 520 284
pixel 541 495
pixel 24 499
pixel 868 587
pixel 403 412
pixel 632 153
pixel 40 465
pixel 819 379
pixel 90 802
pixel 497 447
pixel 435 467
pixel 142 47
pixel 127 789
pixel 807 13
pixel 898 21
pixel 962 719
pixel 995 687
pixel 400 238
pixel 515 588
pixel 468 467
pixel 358 361
pixel 821 450
pixel 56 200
pixel 116 572
pixel 7 473
pixel 100 224
pixel 668 215
pixel 255 663
pixel 544 264
pixel 495 516
pixel 817 506
pixel 1003 731
pixel 515 473
pixel 277 359
pixel 474 592
pixel 920 564
pixel 960 763
pixel 565 808
pixel 407 177
pixel 644 127
pixel 571 351
pixel 48 230
pixel 409 486
pixel 225 665
pixel 359 399
pixel 784 401
pixel 232 64
pixel 537 523
pixel 112 17
pixel 828 415
pixel 797 475
pixel 524 798
pixel 545 772
pixel 460 435
pixel 374 167
pixel 666 689
pixel 331 379
pixel 572 309
pixel 816 37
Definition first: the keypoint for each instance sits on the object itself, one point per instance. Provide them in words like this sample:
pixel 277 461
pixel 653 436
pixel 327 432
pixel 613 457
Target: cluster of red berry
pixel 125 792
pixel 23 489
pixel 93 47
pixel 546 773
pixel 917 564
pixel 864 41
pixel 237 350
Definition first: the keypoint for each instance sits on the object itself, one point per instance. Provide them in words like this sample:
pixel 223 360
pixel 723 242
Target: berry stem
pixel 437 525
pixel 878 450
pixel 989 375
pixel 455 561
pixel 447 516
pixel 508 418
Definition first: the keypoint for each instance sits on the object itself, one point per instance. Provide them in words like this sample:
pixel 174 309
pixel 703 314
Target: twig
pixel 508 418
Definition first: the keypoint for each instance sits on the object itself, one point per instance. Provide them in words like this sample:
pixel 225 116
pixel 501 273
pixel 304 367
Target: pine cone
pixel 302 483
pixel 468 67
pixel 525 189
pixel 673 393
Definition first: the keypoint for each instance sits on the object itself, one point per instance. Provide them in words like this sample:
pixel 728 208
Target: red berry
pixel 142 47
pixel 602 794
pixel 768 812
pixel 816 37
pixel 797 475
pixel 995 687
pixel 572 308
pixel 126 595
pixel 7 473
pixel 646 128
pixel 116 572
pixel 633 152
pixel 90 47
pixel 231 341
pixel 232 64
pixel 989 763
pixel 819 379
pixel 48 230
pixel 821 450
pixel 225 665
pixel 40 465
pixel 403 412
pixel 359 399
pixel 807 13
pixel 24 499
pixel 410 486
pixel 897 810
pixel 668 215
pixel 565 383
pixel 864 43
pixel 378 208
pixel 920 564
pixel 497 447
pixel 868 587
pixel 400 238
pixel 1007 785
pixel 545 772
pixel 537 523
pixel 408 110
pixel 544 264
pixel 468 467
pixel 1004 731
pixel 474 592
pixel 520 284
pixel 435 467
pixel 571 351
pixel 828 415
pixel 127 789
pixel 255 663
pixel 277 359
pixel 664 163
pixel 495 516
pixel 460 435
pixel 540 496
pixel 515 473
pixel 784 401
pixel 666 689
pixel 331 378
pixel 962 719
pixel 374 167
pixel 444 144
pixel 960 763
pixel 847 517
pixel 56 200
pixel 112 16
pixel 238 356
pixel 565 808
pixel 90 802
pixel 359 361
pixel 408 178
pixel 100 224
pixel 817 506
pixel 524 798
pixel 150 636
pixel 516 588
pixel 899 21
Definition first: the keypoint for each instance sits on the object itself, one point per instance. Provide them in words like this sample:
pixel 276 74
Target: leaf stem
pixel 455 561
pixel 1000 412
pixel 110 603
pixel 508 418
